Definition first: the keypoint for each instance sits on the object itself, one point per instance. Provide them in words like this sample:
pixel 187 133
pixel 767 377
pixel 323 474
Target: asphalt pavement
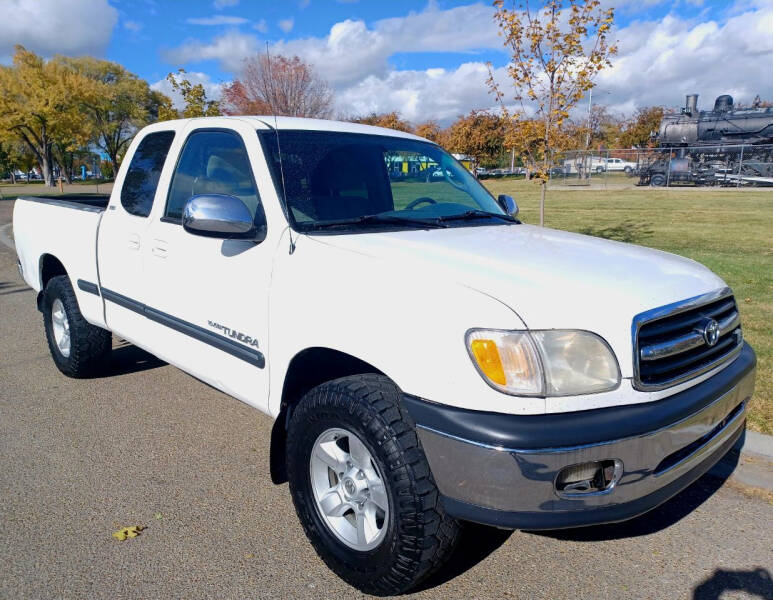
pixel 149 445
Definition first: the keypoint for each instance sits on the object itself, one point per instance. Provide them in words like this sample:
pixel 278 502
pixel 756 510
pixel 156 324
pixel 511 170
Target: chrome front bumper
pixel 516 487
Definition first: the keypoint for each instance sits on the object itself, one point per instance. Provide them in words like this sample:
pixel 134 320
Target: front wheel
pixel 362 487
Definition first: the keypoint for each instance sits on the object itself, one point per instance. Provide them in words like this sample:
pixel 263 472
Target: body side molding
pixel 250 355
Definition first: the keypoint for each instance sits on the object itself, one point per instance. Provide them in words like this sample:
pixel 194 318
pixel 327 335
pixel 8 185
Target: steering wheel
pixel 418 201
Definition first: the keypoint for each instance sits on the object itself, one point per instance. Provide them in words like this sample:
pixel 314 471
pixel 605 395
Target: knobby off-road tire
pixel 418 536
pixel 89 346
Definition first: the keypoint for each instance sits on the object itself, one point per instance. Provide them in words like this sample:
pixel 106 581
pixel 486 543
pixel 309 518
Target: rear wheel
pixel 79 349
pixel 362 487
pixel 658 180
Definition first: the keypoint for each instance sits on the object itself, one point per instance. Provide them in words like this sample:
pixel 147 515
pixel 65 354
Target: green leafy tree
pixel 39 107
pixel 480 134
pixel 638 131
pixel 117 103
pixel 390 120
pixel 431 130
pixel 194 96
pixel 107 169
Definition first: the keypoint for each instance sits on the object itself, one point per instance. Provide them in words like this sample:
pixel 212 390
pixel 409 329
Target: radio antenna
pixel 272 95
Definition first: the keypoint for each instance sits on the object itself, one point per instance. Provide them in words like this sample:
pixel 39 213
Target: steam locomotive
pixel 723 146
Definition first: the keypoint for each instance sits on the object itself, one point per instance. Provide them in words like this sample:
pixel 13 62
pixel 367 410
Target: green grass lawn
pixel 731 232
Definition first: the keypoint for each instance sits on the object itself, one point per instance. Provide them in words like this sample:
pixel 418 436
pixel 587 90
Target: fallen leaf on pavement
pixel 128 532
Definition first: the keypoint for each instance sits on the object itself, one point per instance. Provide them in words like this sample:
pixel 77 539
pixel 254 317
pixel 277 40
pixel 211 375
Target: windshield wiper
pixel 476 214
pixel 375 220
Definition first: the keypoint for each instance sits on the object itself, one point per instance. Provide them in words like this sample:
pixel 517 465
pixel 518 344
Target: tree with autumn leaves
pixel 278 85
pixel 556 50
pixel 57 108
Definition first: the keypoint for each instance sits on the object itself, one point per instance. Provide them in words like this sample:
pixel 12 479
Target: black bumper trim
pixel 587 516
pixel 578 428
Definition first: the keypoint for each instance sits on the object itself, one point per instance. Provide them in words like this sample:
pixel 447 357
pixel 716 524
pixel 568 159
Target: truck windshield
pixel 338 182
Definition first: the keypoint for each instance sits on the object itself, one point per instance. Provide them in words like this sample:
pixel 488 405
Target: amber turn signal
pixel 487 356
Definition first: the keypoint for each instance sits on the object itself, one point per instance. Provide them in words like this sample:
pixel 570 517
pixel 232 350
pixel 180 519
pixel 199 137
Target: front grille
pixel 674 343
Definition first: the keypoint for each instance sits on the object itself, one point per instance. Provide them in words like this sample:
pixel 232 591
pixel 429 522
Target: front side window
pixel 335 180
pixel 139 185
pixel 212 162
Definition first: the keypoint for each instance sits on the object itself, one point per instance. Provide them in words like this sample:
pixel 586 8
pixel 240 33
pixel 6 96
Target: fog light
pixel 597 477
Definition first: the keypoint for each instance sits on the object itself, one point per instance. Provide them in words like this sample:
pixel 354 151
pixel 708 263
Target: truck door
pixel 122 236
pixel 208 298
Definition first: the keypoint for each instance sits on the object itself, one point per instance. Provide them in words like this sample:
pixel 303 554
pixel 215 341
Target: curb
pixel 758 445
pixel 5 239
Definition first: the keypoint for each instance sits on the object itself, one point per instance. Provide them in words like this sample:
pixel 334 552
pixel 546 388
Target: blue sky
pixel 165 25
pixel 424 59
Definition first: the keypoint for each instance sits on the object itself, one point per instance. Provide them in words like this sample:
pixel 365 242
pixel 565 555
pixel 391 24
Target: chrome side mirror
pixel 221 216
pixel 508 204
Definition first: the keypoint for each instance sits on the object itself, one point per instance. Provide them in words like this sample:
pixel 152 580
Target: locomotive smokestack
pixel 723 103
pixel 691 104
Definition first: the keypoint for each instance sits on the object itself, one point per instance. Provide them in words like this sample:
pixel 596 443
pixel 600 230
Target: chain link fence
pixel 725 166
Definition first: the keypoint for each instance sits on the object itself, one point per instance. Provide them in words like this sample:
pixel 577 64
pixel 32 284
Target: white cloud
pixel 261 26
pixel 220 4
pixel 439 94
pixel 352 51
pixel 286 25
pixel 134 26
pixel 54 27
pixel 216 20
pixel 229 50
pixel 213 90
pixel 659 61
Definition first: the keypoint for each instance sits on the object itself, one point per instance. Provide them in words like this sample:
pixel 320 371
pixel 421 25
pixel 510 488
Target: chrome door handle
pixel 134 242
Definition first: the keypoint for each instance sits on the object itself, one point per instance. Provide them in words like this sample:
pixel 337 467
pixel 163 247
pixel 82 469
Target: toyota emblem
pixel 711 332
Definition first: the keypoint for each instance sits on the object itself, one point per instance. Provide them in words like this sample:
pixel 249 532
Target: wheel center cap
pixel 349 487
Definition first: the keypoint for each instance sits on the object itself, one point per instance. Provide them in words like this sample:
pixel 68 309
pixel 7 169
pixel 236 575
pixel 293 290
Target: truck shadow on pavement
pixel 127 358
pixel 9 287
pixel 757 582
pixel 475 544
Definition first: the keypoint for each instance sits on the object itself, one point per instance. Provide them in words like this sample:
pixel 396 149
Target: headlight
pixel 549 362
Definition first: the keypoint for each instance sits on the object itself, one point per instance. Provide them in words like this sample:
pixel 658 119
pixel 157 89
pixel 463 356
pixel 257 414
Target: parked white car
pixel 618 164
pixel 427 356
pixel 584 165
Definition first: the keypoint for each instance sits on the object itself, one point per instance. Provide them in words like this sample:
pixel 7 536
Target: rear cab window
pixel 139 185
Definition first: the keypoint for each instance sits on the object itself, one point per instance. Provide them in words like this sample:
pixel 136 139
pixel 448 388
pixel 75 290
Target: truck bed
pixel 60 233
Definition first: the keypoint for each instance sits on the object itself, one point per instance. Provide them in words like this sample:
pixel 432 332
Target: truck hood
pixel 551 279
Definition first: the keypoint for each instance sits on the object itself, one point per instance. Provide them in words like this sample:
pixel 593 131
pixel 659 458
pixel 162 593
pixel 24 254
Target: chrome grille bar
pixel 669 345
pixel 688 341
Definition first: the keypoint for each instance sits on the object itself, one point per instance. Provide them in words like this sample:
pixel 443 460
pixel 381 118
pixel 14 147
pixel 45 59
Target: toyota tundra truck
pixel 427 357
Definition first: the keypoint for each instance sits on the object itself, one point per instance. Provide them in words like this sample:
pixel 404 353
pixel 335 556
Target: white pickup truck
pixel 427 357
